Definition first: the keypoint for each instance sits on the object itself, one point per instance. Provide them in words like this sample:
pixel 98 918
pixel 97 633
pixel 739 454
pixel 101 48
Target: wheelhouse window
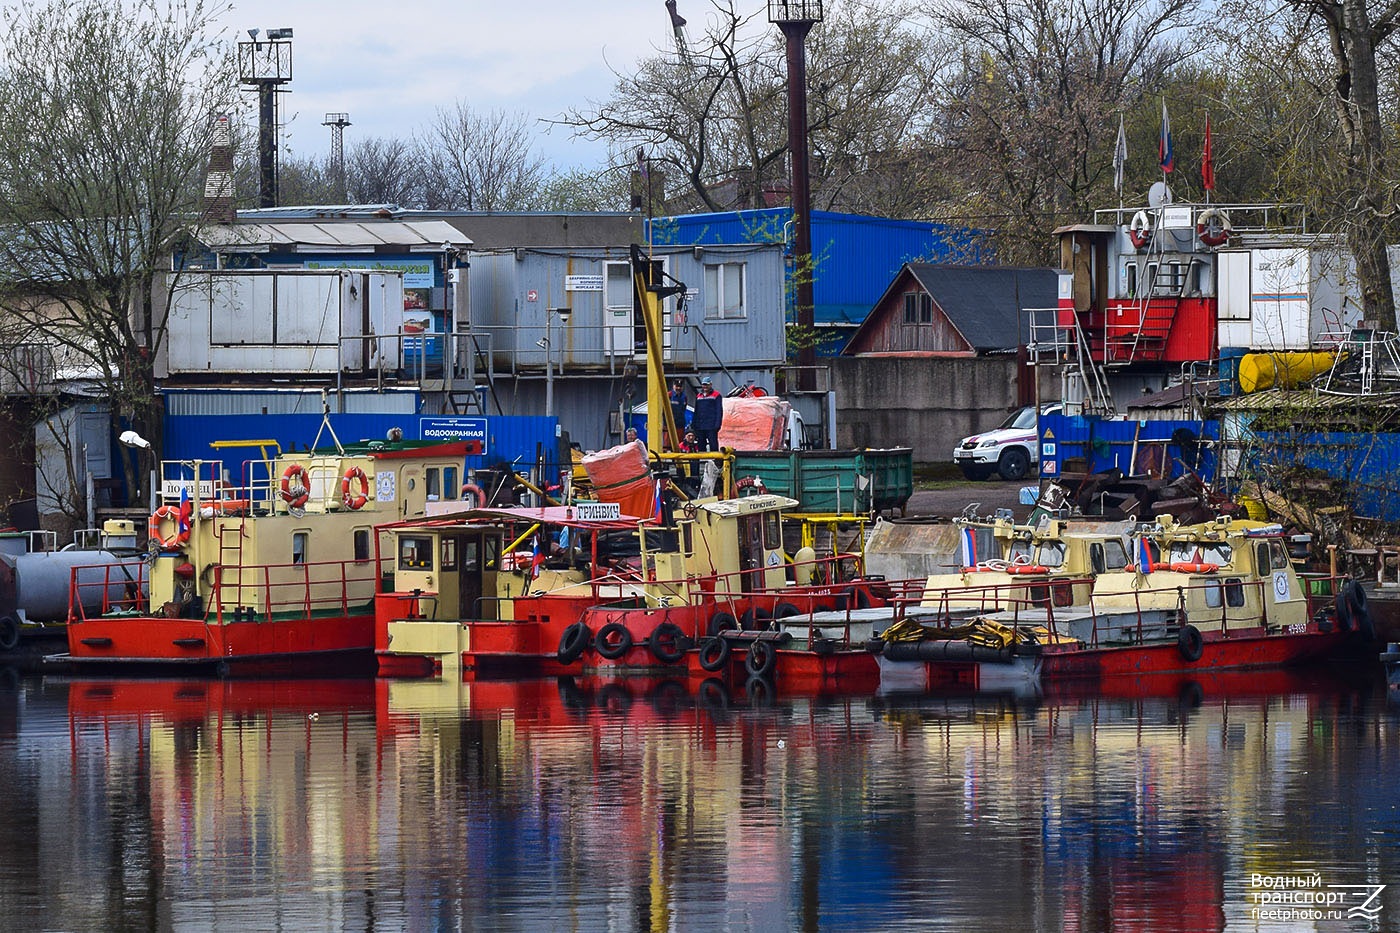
pixel 361 545
pixel 415 552
pixel 772 531
pixel 724 291
pixel 299 542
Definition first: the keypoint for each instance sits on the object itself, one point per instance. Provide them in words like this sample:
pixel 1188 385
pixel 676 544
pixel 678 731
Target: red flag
pixel 1208 161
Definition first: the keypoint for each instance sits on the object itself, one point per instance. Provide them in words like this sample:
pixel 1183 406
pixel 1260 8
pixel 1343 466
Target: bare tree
pixel 1356 32
pixel 1030 114
pixel 479 162
pixel 380 170
pixel 104 122
pixel 713 119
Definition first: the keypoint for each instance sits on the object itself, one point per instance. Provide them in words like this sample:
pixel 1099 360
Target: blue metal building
pixel 855 256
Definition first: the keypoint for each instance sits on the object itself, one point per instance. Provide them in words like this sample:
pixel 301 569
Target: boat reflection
pixel 422 804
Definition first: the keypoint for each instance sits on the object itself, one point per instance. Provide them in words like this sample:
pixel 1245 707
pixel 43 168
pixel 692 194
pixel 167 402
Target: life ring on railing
pixel 754 483
pixel 348 497
pixel 1140 230
pixel 295 495
pixel 1213 227
pixel 477 494
pixel 177 536
pixel 1192 567
pixel 1027 568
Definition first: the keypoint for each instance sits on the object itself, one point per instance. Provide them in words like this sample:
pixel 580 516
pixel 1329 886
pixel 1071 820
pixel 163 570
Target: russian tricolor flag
pixel 968 547
pixel 186 511
pixel 536 556
pixel 1144 555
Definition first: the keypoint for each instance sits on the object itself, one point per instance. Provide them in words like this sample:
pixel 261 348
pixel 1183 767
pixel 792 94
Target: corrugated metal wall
pixel 203 402
pixel 512 439
pixel 856 257
pixel 1103 445
pixel 1368 464
pixel 502 284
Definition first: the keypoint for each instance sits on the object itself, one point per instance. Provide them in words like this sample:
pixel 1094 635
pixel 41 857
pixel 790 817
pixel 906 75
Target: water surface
pixel 1197 804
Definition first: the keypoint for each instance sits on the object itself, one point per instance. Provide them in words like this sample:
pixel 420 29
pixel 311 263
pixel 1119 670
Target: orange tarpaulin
pixel 754 423
pixel 622 474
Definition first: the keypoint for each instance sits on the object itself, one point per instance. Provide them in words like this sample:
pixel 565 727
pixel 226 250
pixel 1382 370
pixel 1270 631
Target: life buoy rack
pixel 1140 230
pixel 349 498
pixel 478 495
pixel 177 536
pixel 295 495
pixel 1213 227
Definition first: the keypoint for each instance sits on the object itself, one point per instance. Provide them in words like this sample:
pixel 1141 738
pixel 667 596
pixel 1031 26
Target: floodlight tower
pixel 338 122
pixel 266 66
pixel 796 18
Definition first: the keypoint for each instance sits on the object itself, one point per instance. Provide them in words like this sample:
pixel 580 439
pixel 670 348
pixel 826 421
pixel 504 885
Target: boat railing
pixel 121 588
pixel 308 587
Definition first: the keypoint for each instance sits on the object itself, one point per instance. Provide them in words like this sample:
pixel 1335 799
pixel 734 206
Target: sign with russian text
pixel 451 428
pixel 597 511
pixel 583 283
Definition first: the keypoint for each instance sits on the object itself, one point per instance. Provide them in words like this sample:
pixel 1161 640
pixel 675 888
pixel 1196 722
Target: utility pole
pixel 796 18
pixel 265 66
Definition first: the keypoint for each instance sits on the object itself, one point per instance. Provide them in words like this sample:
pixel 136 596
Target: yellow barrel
pixel 1287 370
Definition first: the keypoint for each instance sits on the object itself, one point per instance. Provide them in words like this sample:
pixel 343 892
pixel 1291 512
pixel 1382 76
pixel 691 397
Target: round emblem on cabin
pixel 1281 586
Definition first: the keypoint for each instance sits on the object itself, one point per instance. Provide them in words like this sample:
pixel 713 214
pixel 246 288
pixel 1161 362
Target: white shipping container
pixel 285 322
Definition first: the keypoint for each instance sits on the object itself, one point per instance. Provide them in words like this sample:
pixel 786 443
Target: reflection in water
pixel 426 805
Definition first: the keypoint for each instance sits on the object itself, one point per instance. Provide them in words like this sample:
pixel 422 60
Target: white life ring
pixel 1213 227
pixel 1140 230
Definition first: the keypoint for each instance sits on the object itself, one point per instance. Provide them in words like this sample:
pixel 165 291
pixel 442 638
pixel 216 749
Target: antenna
pixel 1159 195
pixel 338 122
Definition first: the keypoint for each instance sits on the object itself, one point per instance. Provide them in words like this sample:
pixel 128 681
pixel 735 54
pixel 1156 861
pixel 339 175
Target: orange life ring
pixel 477 493
pixel 750 482
pixel 348 497
pixel 1213 227
pixel 1140 230
pixel 1026 568
pixel 1192 567
pixel 295 496
pixel 176 537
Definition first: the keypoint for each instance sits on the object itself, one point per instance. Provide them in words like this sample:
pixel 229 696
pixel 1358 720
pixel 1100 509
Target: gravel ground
pixel 949 499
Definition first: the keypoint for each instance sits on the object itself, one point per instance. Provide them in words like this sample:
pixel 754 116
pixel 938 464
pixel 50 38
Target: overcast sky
pixel 390 63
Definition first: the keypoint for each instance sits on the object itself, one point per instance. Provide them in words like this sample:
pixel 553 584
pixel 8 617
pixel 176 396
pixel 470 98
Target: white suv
pixel 1010 450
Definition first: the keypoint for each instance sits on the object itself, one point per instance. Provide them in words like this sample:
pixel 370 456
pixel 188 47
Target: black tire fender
pixel 9 633
pixel 613 641
pixel 761 659
pixel 1190 643
pixel 722 622
pixel 1355 598
pixel 714 654
pixel 667 642
pixel 573 642
pixel 754 618
pixel 785 611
